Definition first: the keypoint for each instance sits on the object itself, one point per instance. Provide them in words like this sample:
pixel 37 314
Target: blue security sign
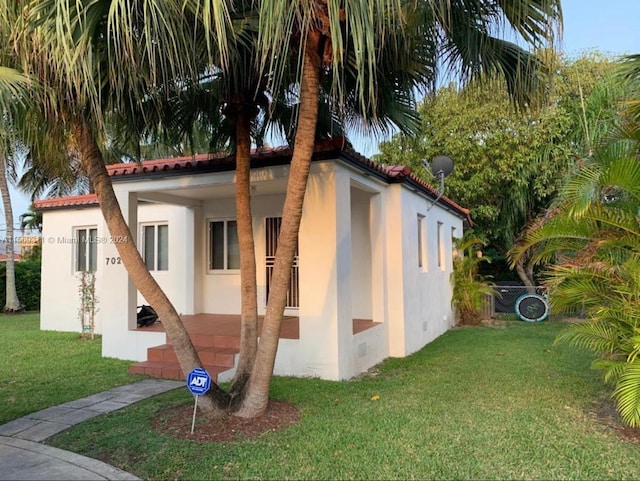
pixel 198 381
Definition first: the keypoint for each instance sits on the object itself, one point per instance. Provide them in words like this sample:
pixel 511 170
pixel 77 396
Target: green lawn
pixel 44 368
pixel 478 403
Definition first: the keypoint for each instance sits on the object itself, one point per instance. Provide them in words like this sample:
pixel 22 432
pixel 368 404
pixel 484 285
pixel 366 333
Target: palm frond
pixel 627 394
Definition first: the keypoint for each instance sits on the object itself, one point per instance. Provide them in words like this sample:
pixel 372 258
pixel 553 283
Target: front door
pixel 272 230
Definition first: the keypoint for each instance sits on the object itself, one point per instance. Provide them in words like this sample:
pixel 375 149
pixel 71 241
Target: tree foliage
pixel 590 242
pixel 509 162
pixel 105 57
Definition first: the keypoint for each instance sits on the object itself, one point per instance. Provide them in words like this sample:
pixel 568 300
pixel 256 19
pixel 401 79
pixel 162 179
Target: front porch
pixel 217 340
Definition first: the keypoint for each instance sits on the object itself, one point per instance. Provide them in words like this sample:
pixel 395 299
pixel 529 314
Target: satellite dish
pixel 441 166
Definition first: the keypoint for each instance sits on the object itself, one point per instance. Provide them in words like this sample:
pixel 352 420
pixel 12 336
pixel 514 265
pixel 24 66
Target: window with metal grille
pixel 272 231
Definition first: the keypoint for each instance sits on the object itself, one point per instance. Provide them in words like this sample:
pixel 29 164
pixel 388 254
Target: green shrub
pixel 470 289
pixel 27 283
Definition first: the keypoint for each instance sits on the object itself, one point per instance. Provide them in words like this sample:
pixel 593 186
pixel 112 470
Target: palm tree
pixel 13 85
pixel 321 34
pixel 592 239
pixel 31 220
pixel 114 75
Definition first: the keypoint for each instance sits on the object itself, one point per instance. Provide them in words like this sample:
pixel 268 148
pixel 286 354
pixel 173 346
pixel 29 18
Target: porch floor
pixel 226 325
pixel 217 340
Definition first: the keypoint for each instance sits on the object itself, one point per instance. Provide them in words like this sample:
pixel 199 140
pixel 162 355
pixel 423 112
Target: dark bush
pixel 27 283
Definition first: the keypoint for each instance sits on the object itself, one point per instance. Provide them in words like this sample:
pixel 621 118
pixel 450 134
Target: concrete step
pixel 215 356
pixel 170 370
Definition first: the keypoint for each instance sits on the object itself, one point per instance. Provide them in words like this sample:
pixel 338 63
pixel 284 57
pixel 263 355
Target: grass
pixel 46 368
pixel 477 403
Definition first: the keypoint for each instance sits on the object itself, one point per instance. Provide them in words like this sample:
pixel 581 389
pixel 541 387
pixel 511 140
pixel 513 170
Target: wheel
pixel 531 308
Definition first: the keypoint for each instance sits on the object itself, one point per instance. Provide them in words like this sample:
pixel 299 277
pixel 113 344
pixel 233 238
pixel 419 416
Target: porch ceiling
pixel 219 191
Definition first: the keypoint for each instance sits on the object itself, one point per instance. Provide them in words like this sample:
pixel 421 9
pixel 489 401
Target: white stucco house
pixel 374 248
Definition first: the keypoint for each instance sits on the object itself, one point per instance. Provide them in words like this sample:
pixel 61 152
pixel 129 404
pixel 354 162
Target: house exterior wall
pixel 426 290
pixel 59 297
pixel 179 279
pixel 221 289
pixel 358 247
pixel 60 283
pixel 336 238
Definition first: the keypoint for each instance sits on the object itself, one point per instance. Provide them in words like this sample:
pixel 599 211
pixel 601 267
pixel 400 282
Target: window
pixel 224 252
pixel 155 246
pixel 421 247
pixel 86 242
pixel 440 247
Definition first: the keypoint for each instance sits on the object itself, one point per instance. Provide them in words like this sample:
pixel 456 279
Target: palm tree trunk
pixel 12 303
pixel 217 399
pixel 248 282
pixel 257 390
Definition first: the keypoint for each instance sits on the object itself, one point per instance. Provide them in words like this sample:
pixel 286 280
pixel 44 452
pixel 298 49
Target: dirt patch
pixel 605 412
pixel 176 422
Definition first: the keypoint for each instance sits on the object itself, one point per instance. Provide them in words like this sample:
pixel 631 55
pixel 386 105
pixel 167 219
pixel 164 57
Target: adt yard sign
pixel 198 381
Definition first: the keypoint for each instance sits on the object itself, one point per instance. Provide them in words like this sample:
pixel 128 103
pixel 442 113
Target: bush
pixel 27 283
pixel 470 289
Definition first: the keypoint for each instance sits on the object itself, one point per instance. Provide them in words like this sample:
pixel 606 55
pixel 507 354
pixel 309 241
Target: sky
pixel 609 26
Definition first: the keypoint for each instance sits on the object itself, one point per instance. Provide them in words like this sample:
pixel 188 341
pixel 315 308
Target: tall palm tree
pixel 105 58
pixel 329 40
pixel 320 34
pixel 31 220
pixel 238 98
pixel 13 85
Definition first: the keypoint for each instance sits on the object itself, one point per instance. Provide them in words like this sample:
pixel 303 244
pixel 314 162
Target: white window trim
pixel 142 243
pixel 442 264
pixel 423 257
pixel 225 270
pixel 76 247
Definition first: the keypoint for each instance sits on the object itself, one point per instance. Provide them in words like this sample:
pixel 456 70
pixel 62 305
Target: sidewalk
pixel 22 457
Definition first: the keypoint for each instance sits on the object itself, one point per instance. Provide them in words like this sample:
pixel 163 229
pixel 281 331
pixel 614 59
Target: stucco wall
pixel 427 289
pixel 60 283
pixel 358 250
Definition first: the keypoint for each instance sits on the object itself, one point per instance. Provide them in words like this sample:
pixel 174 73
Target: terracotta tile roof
pixel 403 173
pixel 333 148
pixel 70 201
pixel 4 257
pixel 218 161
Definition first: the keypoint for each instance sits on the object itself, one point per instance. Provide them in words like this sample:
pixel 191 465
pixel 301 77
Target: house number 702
pixel 114 260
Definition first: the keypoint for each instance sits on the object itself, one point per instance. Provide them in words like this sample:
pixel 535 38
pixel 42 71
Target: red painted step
pixel 217 354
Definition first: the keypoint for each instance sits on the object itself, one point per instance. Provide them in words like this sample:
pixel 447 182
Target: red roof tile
pixel 326 149
pixel 4 257
pixel 70 201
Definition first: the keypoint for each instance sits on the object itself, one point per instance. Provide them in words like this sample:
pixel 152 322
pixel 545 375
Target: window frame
pixel 157 257
pixel 89 248
pixel 423 258
pixel 226 256
pixel 441 252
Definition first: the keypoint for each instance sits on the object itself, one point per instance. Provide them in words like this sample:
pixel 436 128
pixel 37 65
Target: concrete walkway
pixel 22 457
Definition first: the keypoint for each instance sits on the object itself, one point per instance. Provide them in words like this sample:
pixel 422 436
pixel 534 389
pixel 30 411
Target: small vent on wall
pixel 425 324
pixel 362 349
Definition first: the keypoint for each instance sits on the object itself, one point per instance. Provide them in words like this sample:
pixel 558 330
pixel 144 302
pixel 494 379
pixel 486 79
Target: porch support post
pixel 343 264
pixel 118 294
pixel 319 271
